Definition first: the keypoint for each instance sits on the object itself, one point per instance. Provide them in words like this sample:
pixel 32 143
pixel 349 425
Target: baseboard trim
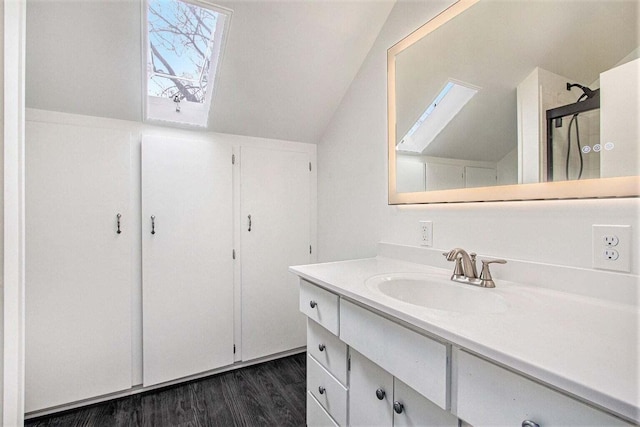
pixel 141 389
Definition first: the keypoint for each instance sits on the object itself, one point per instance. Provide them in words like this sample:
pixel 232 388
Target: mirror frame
pixel 591 188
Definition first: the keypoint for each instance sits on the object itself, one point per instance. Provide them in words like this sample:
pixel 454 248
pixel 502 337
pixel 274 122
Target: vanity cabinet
pixel 366 369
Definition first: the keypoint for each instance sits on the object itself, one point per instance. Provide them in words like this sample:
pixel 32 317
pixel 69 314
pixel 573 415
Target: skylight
pixel 446 105
pixel 184 41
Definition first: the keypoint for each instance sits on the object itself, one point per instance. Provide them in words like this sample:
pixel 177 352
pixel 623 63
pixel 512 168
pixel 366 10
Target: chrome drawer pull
pixel 313 304
pixel 321 390
pixel 528 423
pixel 398 407
pixel 380 393
pixel 321 347
pixel 119 216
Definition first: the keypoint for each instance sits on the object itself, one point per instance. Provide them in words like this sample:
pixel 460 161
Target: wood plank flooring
pixel 268 394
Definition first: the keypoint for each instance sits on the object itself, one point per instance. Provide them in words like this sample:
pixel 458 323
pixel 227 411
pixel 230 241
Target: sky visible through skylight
pixel 180 41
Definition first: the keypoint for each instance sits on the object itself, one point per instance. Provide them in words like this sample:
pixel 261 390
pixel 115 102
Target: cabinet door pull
pixel 313 304
pixel 321 390
pixel 529 423
pixel 118 217
pixel 153 224
pixel 249 216
pixel 380 393
pixel 321 347
pixel 398 407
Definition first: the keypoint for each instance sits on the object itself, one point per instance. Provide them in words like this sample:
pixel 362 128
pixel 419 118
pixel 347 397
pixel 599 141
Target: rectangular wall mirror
pixel 502 100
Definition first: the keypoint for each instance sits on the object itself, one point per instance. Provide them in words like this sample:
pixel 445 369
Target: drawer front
pixel 418 361
pixel 418 411
pixel 327 390
pixel 328 350
pixel 319 305
pixel 316 415
pixel 491 395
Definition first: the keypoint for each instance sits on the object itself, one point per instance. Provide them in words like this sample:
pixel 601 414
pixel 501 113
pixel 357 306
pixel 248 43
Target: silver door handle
pixel 118 216
pixel 153 224
pixel 249 222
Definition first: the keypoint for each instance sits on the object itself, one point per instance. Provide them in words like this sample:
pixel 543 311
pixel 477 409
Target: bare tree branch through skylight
pixel 181 39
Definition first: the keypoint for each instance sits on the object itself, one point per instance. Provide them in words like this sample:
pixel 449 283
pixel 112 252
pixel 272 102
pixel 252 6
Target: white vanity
pixel 382 352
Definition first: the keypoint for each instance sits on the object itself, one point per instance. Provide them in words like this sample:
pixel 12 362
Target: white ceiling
pixel 286 66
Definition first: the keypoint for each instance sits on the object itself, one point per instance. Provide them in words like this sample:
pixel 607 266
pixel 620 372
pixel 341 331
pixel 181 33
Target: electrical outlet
pixel 611 254
pixel 611 247
pixel 611 240
pixel 426 233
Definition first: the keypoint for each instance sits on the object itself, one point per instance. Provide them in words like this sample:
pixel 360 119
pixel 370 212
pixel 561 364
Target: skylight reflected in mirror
pixel 439 112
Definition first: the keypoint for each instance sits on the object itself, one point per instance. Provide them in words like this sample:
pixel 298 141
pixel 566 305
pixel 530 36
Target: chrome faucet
pixel 465 270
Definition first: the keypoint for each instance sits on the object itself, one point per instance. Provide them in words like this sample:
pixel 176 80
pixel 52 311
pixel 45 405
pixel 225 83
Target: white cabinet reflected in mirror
pixel 506 100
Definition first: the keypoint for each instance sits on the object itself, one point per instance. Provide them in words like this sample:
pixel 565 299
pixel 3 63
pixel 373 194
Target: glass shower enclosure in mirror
pixel 499 95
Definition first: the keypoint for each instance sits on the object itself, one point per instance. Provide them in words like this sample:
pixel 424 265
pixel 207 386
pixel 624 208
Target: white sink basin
pixel 434 292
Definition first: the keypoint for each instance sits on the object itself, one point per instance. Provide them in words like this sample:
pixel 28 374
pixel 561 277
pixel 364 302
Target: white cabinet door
pixel 187 288
pixel 276 194
pixel 370 393
pixel 416 410
pixel 78 268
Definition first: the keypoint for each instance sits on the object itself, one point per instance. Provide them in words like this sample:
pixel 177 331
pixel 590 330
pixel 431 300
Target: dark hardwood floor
pixel 268 394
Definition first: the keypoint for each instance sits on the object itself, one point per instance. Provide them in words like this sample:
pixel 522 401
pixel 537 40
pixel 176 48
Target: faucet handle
pixel 486 281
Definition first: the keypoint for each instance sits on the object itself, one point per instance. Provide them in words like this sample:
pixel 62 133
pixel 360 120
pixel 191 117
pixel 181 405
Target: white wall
pixel 352 193
pixel 1 201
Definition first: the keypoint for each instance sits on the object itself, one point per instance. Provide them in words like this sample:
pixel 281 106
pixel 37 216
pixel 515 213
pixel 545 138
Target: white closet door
pixel 187 265
pixel 479 177
pixel 78 268
pixel 275 191
pixel 442 176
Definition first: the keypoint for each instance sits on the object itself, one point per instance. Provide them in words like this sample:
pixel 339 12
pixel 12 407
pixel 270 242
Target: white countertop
pixel 581 345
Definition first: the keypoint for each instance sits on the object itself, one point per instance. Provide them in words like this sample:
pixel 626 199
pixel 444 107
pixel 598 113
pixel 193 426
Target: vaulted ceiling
pixel 286 66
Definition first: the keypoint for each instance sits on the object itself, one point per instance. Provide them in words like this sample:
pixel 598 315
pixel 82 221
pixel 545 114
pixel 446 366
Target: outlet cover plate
pixel 425 233
pixel 601 259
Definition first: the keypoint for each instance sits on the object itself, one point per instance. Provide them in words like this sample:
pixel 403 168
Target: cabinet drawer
pixel 328 350
pixel 418 361
pixel 413 358
pixel 327 390
pixel 319 305
pixel 316 415
pixel 491 395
